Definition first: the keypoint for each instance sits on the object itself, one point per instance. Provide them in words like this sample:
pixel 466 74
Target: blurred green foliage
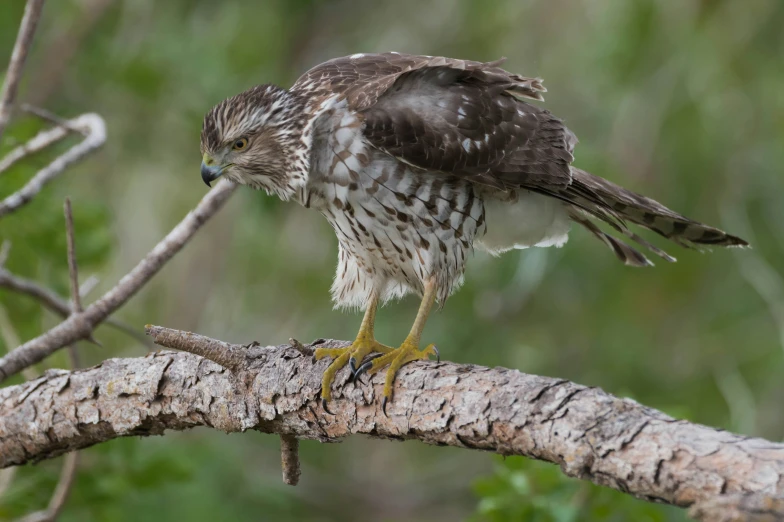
pixel 530 491
pixel 678 100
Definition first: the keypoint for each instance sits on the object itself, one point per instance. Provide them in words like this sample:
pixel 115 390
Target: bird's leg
pixel 409 350
pixel 364 344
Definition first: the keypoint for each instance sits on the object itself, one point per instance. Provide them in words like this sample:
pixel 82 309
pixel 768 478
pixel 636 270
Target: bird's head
pixel 254 138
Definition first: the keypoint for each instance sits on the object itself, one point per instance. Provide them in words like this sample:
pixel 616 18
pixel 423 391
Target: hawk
pixel 415 161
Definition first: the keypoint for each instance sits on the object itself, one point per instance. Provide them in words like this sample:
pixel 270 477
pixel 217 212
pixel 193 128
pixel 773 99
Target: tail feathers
pixel 591 196
pixel 624 252
pixel 617 222
pixel 646 212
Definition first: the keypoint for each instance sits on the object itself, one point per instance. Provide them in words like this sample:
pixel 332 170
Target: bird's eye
pixel 240 144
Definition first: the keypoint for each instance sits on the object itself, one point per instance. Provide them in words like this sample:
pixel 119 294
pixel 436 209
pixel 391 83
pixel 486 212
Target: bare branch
pixel 60 494
pixel 96 137
pixel 4 251
pixel 591 434
pixel 88 285
pixel 79 326
pixel 289 459
pixel 6 479
pixel 57 304
pixel 55 59
pixel 48 298
pixel 51 118
pixel 231 357
pixel 13 76
pixel 11 338
pixel 73 268
pixel 39 142
pixel 67 476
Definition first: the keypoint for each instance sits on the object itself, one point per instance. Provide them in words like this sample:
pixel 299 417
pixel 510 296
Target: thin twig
pixel 4 250
pixel 67 476
pixel 6 478
pixel 304 350
pixel 55 59
pixel 37 143
pixel 73 269
pixel 53 302
pixel 80 326
pixel 46 297
pixel 289 459
pixel 228 356
pixel 94 139
pixel 11 339
pixel 24 40
pixel 88 285
pixel 51 117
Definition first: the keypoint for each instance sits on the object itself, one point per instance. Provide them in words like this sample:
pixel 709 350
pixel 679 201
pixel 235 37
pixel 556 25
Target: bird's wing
pixel 455 116
pixel 466 118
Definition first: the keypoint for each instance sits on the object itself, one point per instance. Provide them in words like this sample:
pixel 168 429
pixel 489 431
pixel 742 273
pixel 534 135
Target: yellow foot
pixel 352 355
pixel 408 351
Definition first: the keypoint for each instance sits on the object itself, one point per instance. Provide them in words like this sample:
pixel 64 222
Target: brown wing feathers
pixel 466 123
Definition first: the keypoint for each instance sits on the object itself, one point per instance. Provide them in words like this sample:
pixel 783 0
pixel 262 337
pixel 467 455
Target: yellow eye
pixel 240 144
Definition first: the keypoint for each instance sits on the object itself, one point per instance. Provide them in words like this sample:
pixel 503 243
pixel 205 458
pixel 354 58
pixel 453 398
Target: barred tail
pixel 599 198
pixel 629 255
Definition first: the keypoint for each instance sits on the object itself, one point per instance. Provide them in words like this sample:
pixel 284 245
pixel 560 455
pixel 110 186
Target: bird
pixel 416 161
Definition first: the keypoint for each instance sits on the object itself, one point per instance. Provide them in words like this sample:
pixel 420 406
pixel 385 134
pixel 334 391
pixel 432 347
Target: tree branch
pixel 95 137
pixel 60 494
pixel 79 326
pixel 24 40
pixel 37 143
pixel 73 266
pixel 591 434
pixel 289 459
pixel 55 303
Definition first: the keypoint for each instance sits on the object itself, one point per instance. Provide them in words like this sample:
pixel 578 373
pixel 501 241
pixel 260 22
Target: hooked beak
pixel 210 170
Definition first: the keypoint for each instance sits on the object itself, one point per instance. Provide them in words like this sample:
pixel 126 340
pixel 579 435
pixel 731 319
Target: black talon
pixel 324 405
pixel 362 369
pixel 352 363
pixel 438 355
pixel 384 406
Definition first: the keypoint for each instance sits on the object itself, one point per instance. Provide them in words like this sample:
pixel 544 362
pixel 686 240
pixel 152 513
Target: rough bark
pixel 739 508
pixel 589 433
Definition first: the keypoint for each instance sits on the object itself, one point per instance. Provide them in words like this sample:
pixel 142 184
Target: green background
pixel 683 101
